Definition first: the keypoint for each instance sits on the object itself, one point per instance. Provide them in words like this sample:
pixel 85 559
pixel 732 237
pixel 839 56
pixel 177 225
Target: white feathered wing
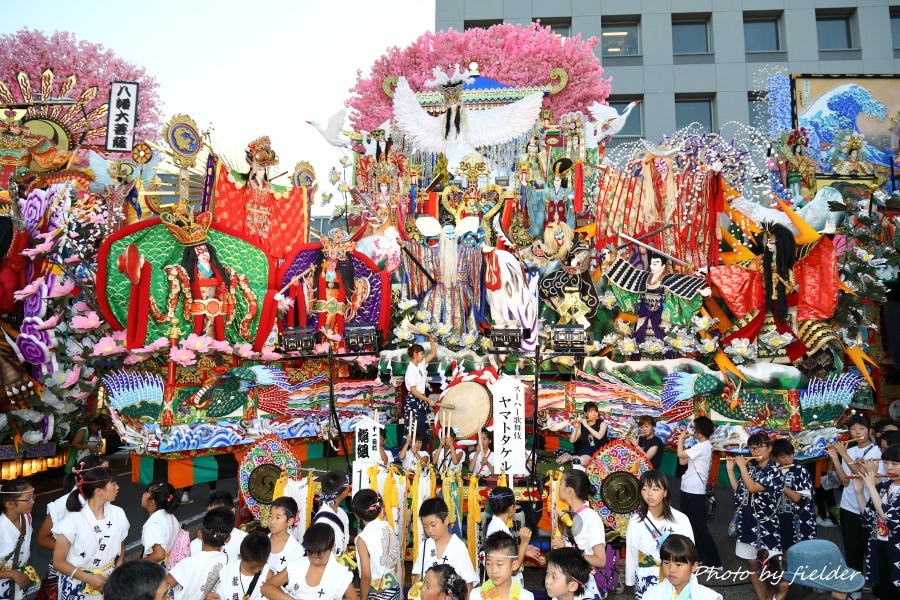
pixel 481 127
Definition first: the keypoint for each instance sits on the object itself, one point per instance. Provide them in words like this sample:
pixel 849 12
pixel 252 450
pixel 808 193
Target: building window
pixel 620 39
pixel 759 111
pixel 634 125
pixel 690 37
pixel 482 23
pixel 561 27
pixel 895 29
pixel 834 32
pixel 693 110
pixel 761 35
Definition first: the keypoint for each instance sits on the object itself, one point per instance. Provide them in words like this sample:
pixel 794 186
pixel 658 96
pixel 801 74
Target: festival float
pixel 736 275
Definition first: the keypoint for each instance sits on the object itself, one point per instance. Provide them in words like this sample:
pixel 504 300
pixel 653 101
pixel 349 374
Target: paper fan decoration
pixel 618 456
pixel 260 469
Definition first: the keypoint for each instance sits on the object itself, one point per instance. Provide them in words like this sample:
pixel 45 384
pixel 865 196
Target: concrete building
pixel 703 60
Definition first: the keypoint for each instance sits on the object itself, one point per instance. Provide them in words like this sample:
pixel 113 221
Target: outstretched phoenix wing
pixel 504 123
pixel 423 130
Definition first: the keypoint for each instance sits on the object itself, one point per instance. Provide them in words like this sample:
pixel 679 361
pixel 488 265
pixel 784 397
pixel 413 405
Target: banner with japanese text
pixel 509 426
pixel 122 119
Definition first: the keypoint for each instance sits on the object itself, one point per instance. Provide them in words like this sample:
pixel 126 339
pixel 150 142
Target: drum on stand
pixel 472 408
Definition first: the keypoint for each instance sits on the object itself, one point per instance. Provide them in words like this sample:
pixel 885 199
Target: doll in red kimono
pixel 272 216
pixel 784 295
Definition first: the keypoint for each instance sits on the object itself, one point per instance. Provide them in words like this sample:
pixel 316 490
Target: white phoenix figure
pixel 459 132
pixel 608 120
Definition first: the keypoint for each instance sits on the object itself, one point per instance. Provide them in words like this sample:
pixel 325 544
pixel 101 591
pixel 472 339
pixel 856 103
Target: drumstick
pixel 446 406
pixel 786 466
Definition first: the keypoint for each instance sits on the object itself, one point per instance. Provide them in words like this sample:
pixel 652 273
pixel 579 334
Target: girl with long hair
pixel 648 529
pixel 161 530
pixel 575 489
pixel 90 540
pixel 56 512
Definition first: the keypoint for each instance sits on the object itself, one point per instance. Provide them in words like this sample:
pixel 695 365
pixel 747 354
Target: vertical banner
pixel 367 440
pixel 122 119
pixel 509 426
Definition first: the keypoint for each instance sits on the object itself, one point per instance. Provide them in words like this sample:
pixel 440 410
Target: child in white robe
pixel 232 547
pixel 243 579
pixel 501 558
pixel 502 501
pixel 285 547
pixel 17 500
pixel 441 546
pixel 680 561
pixel 377 549
pixel 316 576
pixel 161 530
pixel 575 489
pixel 196 576
pixel 90 540
pixel 648 529
pixel 335 488
pixel 567 574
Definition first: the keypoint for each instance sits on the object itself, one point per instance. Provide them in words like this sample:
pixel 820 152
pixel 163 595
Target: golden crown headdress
pixel 472 166
pixel 384 173
pixel 572 122
pixel 187 228
pixel 337 244
pixel 854 143
pixel 261 151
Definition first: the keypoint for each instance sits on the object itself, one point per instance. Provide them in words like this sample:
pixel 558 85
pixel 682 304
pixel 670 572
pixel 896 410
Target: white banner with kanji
pixel 122 116
pixel 509 426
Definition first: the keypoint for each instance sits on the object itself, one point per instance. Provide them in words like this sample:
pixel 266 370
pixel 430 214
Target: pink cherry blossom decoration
pixel 87 322
pixel 182 356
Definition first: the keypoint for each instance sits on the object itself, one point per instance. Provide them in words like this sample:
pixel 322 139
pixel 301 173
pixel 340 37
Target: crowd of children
pixel 774 528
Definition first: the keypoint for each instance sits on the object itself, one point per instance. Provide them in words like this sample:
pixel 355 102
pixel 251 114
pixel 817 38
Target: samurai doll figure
pixel 454 297
pixel 272 216
pixel 205 286
pixel 331 291
pixel 783 297
pixel 19 147
pixel 531 165
pixel 382 212
pixel 658 299
pixel 553 205
pixel 570 289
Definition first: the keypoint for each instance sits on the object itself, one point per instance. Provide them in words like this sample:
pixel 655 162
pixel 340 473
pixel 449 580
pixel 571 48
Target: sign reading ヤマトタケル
pixel 509 426
pixel 122 119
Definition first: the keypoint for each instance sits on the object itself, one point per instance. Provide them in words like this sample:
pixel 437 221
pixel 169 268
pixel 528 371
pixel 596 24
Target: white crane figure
pixel 332 132
pixel 608 120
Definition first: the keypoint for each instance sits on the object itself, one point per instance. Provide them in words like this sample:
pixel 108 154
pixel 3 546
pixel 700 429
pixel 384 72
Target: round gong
pixel 262 483
pixel 620 492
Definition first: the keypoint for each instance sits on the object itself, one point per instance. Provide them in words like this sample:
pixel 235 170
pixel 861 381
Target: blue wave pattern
pixel 845 108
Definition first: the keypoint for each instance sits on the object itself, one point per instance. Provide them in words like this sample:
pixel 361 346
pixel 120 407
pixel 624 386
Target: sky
pixel 251 68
